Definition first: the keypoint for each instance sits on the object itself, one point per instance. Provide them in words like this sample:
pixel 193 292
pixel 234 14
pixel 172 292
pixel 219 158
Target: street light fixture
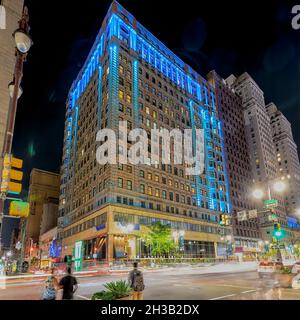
pixel 22 40
pixel 258 194
pixel 11 88
pixel 279 186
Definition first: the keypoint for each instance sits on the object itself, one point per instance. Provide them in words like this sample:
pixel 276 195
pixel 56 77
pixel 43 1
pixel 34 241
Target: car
pixel 266 268
pixel 296 267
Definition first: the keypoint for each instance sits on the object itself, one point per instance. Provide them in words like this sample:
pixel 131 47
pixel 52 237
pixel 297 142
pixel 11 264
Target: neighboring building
pixel 48 249
pixel 259 137
pixel 229 107
pixel 49 216
pixel 287 157
pixel 130 75
pixel 13 9
pixel 264 162
pixel 43 189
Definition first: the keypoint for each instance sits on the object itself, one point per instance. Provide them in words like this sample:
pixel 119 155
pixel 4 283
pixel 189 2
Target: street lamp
pixel 258 194
pixel 11 89
pixel 279 186
pixel 22 39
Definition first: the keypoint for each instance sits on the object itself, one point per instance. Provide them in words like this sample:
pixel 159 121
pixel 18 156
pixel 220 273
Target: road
pixel 172 285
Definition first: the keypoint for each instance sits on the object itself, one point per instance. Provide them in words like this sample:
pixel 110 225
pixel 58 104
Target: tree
pixel 160 239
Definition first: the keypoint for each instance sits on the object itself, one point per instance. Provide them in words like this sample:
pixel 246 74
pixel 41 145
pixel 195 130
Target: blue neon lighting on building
pixel 99 96
pixel 197 177
pixel 113 82
pixel 135 78
pixel 174 71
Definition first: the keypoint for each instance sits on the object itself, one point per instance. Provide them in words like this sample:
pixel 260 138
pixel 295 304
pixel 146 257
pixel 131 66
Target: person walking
pixel 136 282
pixel 69 285
pixel 51 285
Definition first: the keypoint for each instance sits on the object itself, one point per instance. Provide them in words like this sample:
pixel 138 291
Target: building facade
pixel 130 75
pixel 13 10
pixel 230 111
pixel 43 189
pixel 287 157
pixel 259 138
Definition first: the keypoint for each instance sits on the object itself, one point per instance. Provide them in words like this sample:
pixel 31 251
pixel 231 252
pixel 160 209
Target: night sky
pixel 228 36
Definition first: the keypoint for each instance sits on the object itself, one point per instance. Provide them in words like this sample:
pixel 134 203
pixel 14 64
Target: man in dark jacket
pixel 136 282
pixel 69 285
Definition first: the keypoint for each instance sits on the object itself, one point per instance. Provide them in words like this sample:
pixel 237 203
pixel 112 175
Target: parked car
pixel 266 268
pixel 296 267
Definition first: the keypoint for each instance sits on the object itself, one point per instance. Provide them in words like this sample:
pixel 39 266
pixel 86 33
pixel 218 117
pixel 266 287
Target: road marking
pixel 232 286
pixel 222 297
pixel 249 291
pixel 82 297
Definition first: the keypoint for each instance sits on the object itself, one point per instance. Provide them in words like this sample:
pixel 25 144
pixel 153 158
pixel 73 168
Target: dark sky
pixel 228 36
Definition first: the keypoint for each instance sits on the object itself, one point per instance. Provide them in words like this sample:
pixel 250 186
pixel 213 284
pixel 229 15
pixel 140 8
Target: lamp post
pixel 278 186
pixel 23 43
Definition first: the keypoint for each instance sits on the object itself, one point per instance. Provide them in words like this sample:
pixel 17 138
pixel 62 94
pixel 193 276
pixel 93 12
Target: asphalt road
pixel 172 285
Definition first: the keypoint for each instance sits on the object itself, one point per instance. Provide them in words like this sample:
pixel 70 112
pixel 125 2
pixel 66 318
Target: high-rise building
pixel 43 189
pixel 287 157
pixel 230 111
pixel 263 160
pixel 130 75
pixel 13 13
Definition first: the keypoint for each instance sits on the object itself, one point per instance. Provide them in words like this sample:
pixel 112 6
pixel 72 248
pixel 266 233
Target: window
pixel 129 184
pixel 156 178
pixel 142 188
pixel 150 191
pixel 156 192
pixel 164 194
pixel 128 98
pixel 121 94
pixel 149 176
pixel 142 173
pixel 120 182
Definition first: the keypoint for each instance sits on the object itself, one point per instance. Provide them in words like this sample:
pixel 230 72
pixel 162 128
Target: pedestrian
pixel 51 285
pixel 136 282
pixel 69 285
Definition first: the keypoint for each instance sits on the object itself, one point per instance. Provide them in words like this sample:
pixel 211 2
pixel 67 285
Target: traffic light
pixel 278 233
pixel 224 220
pixel 11 176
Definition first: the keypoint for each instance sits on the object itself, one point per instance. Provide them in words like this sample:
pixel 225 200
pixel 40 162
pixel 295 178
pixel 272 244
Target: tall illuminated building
pixel 287 157
pixel 230 105
pixel 130 75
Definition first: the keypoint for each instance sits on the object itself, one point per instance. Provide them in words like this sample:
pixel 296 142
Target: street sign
pixel 242 215
pixel 271 203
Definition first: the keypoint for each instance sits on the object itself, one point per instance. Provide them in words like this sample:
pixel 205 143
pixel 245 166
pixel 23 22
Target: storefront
pixel 116 233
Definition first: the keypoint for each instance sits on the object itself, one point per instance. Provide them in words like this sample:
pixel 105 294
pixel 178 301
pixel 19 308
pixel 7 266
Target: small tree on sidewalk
pixel 160 240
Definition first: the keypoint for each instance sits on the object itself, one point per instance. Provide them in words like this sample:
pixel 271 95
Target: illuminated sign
pixel 78 255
